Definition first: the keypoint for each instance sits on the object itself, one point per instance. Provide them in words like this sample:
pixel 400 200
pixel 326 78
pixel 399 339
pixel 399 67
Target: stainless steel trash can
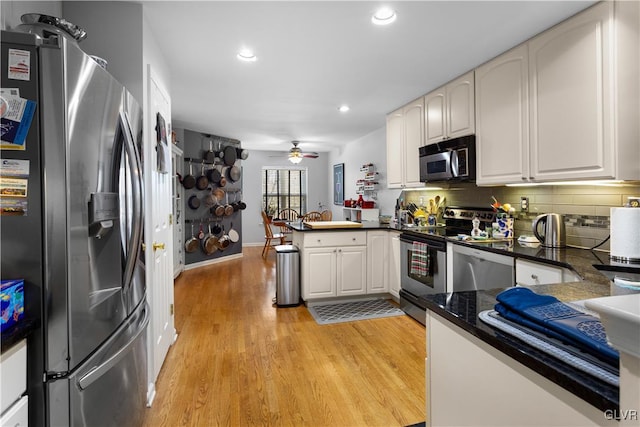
pixel 287 276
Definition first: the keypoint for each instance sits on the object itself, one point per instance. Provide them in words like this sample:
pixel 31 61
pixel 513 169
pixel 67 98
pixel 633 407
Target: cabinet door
pixel 460 107
pixel 395 149
pixel 570 69
pixel 394 265
pixel 377 261
pixel 413 140
pixel 435 117
pixel 319 278
pixel 351 270
pixel 502 119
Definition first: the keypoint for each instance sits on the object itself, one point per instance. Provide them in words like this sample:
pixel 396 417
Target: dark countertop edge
pixel 17 333
pixel 366 225
pixel 557 376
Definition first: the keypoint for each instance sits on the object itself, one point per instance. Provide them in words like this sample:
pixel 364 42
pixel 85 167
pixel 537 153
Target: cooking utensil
pixel 234 236
pixel 228 209
pixel 437 200
pixel 234 173
pixel 229 155
pixel 235 204
pixel 242 204
pixel 223 181
pixel 201 233
pixel 214 174
pixel 216 228
pixel 193 202
pixel 223 241
pixel 219 193
pixel 210 242
pixel 191 245
pixel 209 200
pixel 432 206
pixel 242 153
pixel 202 182
pixel 210 156
pixel 217 209
pixel 189 181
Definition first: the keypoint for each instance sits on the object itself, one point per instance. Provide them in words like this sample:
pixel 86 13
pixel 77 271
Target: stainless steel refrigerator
pixel 76 238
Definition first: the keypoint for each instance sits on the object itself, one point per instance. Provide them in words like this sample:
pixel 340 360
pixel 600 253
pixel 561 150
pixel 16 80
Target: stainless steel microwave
pixel 449 160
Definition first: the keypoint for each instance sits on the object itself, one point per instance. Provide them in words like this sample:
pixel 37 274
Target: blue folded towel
pixel 547 314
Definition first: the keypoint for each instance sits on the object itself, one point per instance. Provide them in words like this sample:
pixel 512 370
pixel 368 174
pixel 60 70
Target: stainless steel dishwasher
pixel 475 269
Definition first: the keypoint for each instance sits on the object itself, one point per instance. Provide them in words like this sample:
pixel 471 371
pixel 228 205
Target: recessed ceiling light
pixel 344 108
pixel 247 55
pixel 384 16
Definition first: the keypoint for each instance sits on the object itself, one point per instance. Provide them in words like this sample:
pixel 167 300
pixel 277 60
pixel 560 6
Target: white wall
pixel 114 32
pixel 371 148
pixel 319 178
pixel 11 11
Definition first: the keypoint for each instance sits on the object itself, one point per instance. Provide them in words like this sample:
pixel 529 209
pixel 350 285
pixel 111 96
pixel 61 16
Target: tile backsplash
pixel 586 207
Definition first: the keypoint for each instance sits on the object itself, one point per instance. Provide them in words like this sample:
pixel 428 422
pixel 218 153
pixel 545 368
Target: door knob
pixel 157 246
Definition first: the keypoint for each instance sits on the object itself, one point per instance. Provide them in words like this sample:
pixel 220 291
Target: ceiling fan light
pixel 295 159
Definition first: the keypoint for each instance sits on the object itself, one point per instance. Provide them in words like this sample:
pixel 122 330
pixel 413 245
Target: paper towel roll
pixel 625 234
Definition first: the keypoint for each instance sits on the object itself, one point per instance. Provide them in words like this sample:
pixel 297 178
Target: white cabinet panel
pixel 13 368
pixel 377 261
pixel 502 119
pixel 351 270
pixel 319 273
pixel 450 110
pixel 571 76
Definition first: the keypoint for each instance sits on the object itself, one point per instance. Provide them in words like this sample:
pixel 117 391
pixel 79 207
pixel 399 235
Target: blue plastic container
pixel 12 303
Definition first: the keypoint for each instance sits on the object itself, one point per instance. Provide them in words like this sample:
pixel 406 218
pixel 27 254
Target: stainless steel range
pixel 423 256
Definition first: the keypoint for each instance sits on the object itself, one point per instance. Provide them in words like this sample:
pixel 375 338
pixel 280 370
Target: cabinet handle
pixel 534 276
pixel 334 251
pixel 319 240
pixel 339 250
pixel 353 238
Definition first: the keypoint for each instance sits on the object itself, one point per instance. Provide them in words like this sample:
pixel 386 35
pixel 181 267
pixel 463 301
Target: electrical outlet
pixel 524 204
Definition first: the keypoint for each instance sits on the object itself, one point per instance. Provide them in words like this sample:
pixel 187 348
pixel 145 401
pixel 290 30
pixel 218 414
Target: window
pixel 284 189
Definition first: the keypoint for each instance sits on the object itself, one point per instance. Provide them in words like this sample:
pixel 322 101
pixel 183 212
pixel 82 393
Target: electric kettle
pixel 554 235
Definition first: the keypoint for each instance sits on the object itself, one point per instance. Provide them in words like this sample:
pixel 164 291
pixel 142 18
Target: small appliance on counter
pixel 555 234
pixel 625 241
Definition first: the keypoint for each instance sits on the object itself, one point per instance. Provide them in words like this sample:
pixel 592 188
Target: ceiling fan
pixel 296 154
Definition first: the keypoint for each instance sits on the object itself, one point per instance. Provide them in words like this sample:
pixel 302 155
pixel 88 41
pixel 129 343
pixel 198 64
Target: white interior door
pixel 159 234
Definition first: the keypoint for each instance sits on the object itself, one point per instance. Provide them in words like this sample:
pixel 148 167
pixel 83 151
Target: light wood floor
pixel 239 361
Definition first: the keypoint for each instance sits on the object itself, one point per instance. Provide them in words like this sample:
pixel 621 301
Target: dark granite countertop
pixel 586 263
pixel 17 333
pixel 462 308
pixel 366 225
pixel 582 261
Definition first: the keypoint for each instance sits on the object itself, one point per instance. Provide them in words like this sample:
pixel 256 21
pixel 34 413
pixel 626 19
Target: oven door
pixel 435 167
pixel 432 279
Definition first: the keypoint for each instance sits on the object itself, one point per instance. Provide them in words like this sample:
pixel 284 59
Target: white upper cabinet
pixel 450 110
pixel 564 106
pixel 405 134
pixel 502 119
pixel 572 82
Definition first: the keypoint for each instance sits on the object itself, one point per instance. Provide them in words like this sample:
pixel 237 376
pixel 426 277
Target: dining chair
pixel 312 216
pixel 289 214
pixel 326 215
pixel 271 239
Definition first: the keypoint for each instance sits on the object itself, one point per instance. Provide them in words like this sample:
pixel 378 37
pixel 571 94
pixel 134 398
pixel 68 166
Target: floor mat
pixel 354 310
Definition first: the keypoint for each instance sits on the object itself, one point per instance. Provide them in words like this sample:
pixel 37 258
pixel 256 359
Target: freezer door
pixel 109 389
pixel 93 206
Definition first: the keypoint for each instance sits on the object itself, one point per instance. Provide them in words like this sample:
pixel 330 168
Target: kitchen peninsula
pixel 346 260
pixel 465 358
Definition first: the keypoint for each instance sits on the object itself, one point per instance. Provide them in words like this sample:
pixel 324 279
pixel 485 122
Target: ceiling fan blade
pixel 310 155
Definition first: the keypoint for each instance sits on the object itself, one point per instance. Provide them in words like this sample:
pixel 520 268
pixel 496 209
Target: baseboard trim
pixel 212 261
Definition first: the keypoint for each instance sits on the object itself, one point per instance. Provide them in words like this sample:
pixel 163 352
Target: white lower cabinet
pixel 394 264
pixel 13 370
pixel 536 273
pixel 333 263
pixel 334 271
pixel 377 261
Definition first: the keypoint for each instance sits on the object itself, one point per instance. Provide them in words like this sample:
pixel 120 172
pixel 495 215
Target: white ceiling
pixel 314 56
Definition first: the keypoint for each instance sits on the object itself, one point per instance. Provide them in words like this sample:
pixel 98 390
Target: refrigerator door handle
pixel 133 160
pixel 98 371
